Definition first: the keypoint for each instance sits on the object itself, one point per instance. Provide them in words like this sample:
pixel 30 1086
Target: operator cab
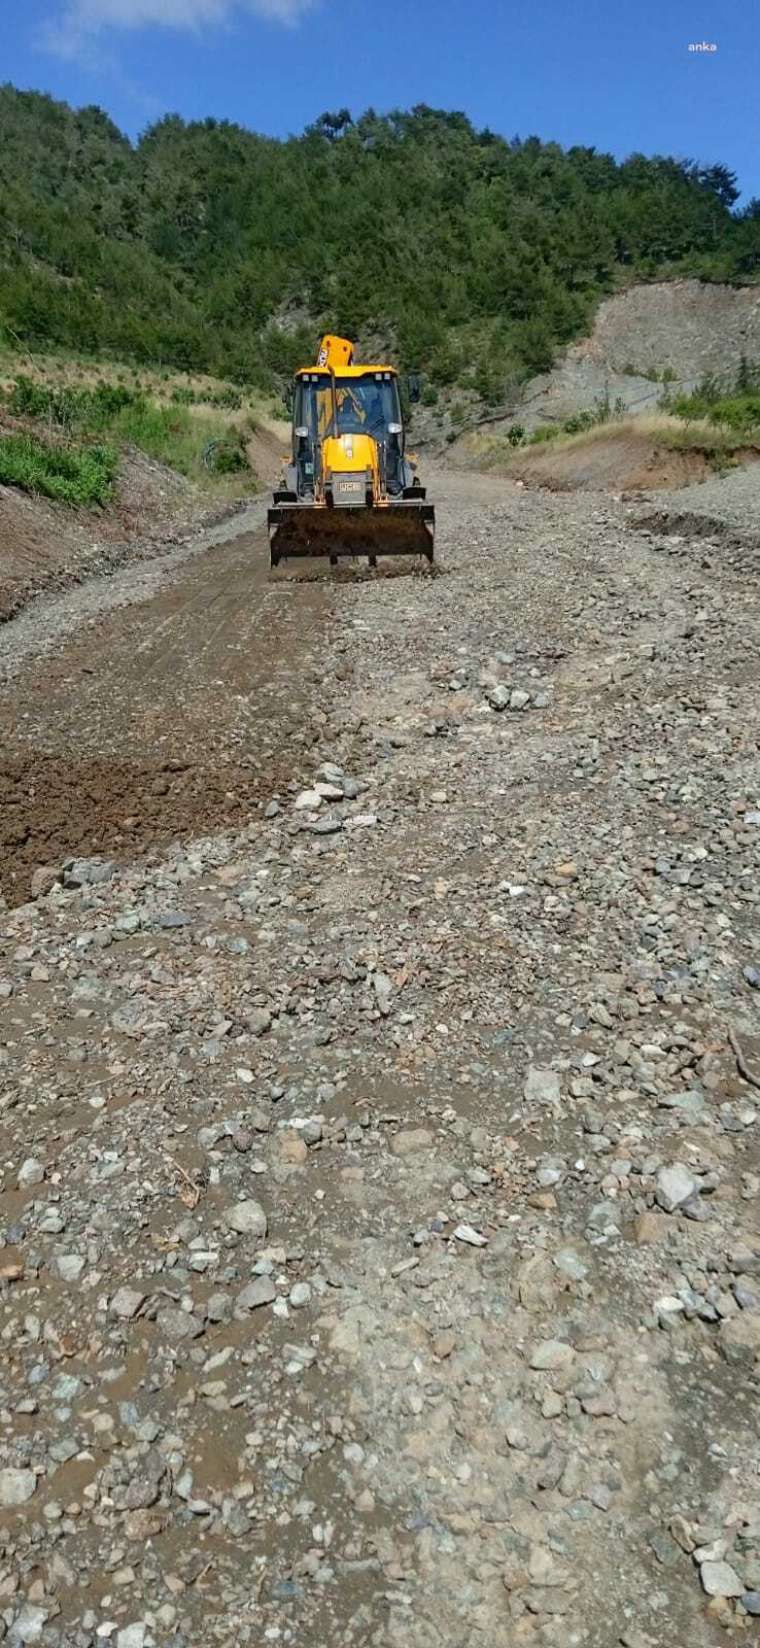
pixel 330 405
pixel 359 404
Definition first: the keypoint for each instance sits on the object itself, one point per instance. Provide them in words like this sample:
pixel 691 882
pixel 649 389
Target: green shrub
pixel 738 410
pixel 72 475
pixel 546 432
pixel 169 433
pixel 225 457
pixel 91 409
pixel 231 399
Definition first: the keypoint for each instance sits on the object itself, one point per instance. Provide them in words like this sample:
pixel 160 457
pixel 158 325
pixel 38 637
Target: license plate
pixel 351 489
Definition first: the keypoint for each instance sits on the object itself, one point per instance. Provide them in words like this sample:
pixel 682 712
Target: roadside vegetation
pixel 718 419
pixel 209 249
pixel 81 476
pixel 733 408
pixel 63 440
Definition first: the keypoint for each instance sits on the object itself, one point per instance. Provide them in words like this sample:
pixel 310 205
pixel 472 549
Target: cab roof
pixel 344 371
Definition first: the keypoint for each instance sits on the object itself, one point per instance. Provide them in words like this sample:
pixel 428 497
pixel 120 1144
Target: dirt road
pixel 158 718
pixel 381 1191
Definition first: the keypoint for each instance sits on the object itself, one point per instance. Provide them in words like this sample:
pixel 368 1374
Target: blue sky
pixel 580 71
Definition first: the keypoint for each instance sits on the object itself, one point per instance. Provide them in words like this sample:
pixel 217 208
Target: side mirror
pixel 414 387
pixel 287 396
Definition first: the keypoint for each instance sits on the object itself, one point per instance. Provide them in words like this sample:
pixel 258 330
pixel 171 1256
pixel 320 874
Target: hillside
pixel 663 335
pixel 210 248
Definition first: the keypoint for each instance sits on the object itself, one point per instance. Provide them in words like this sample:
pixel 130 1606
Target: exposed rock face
pixel 686 328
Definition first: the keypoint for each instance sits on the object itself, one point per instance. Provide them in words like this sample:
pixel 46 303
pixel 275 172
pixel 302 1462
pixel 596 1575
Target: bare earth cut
pixel 380 1086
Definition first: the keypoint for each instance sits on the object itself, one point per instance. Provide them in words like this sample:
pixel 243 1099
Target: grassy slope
pixel 647 451
pixel 173 420
pixel 665 429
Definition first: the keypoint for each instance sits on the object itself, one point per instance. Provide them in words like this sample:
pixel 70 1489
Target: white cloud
pixel 82 23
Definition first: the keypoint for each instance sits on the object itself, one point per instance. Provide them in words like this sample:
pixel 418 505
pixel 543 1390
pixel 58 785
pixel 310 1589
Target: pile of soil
pixel 53 808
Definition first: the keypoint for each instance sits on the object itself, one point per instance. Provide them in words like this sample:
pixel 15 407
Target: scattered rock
pixel 551 1354
pixel 542 1087
pixel 44 879
pixel 412 1141
pixel 31 1172
pixel 247 1219
pixel 126 1303
pixel 261 1291
pixel 720 1580
pixel 675 1185
pixel 16 1487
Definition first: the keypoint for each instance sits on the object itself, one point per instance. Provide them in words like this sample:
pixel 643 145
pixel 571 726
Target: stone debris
pixel 379 1194
pixel 719 1579
pixel 16 1487
pixel 675 1185
pixel 126 1302
pixel 247 1219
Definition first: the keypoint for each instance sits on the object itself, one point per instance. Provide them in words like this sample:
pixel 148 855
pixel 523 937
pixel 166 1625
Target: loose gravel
pixel 380 1196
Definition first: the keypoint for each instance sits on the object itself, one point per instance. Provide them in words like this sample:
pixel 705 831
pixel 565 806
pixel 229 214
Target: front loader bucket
pixel 402 527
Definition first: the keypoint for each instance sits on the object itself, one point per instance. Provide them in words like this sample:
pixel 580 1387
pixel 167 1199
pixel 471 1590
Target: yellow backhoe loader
pixel 349 488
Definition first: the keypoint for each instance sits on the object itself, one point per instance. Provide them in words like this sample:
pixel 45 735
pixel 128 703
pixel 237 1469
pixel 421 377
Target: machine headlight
pixel 394 429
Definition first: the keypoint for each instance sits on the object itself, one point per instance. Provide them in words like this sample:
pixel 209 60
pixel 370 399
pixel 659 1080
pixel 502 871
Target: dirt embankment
pixel 611 465
pixel 633 455
pixel 266 449
pixel 632 463
pixel 48 546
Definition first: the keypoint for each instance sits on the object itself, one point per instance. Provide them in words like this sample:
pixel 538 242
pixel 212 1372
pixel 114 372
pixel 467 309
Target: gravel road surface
pixel 380 1092
pixel 730 500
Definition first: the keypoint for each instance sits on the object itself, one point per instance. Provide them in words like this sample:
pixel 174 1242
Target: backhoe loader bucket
pixel 403 526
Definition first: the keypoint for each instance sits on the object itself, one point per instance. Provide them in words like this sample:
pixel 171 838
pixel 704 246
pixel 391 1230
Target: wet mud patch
pixel 161 721
pixel 53 808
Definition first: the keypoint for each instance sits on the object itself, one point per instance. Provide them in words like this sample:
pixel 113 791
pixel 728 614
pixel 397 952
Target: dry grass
pixel 176 416
pixel 660 429
pixel 157 383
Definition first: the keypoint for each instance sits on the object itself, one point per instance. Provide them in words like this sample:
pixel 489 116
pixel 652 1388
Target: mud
pixel 165 718
pixel 52 808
